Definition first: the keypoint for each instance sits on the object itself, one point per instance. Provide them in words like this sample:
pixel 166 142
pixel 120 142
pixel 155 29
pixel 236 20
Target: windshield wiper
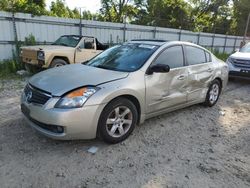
pixel 104 67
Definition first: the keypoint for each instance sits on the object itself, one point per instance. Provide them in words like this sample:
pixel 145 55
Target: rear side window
pixel 172 56
pixel 208 56
pixel 195 55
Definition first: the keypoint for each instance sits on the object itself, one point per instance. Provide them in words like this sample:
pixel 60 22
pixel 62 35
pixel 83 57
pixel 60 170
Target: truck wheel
pixel 27 67
pixel 31 68
pixel 58 63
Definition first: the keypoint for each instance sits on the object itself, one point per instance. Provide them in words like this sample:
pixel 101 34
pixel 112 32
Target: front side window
pixel 195 55
pixel 172 56
pixel 128 57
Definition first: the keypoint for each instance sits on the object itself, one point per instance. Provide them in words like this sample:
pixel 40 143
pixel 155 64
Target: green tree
pixel 118 10
pixel 241 9
pixel 211 15
pixel 59 9
pixel 164 13
pixel 35 7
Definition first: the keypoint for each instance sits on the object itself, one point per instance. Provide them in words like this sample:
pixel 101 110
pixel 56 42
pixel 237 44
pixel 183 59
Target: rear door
pixel 200 72
pixel 86 50
pixel 165 90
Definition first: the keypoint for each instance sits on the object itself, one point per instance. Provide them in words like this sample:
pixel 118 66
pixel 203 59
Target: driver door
pixel 86 50
pixel 166 90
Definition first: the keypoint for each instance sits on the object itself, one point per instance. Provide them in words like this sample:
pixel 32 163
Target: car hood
pixel 61 80
pixel 46 47
pixel 241 55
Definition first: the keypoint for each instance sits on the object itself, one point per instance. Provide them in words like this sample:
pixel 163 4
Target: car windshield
pixel 70 41
pixel 246 48
pixel 128 57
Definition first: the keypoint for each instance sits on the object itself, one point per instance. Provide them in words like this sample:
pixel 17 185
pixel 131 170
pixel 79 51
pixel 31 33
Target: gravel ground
pixel 192 147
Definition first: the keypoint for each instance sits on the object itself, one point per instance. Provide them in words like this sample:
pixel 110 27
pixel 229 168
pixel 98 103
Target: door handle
pixel 181 77
pixel 209 70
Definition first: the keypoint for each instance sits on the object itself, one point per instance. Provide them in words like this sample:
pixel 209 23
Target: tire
pixel 58 63
pixel 113 125
pixel 213 93
pixel 31 68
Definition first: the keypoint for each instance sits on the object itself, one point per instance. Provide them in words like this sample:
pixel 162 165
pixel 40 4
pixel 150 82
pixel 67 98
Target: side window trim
pixel 205 56
pixel 209 56
pixel 164 49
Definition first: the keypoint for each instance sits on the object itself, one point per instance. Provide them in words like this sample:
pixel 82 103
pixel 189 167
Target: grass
pixel 8 69
pixel 221 55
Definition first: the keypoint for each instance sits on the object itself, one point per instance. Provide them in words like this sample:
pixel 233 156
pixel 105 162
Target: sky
pixel 91 5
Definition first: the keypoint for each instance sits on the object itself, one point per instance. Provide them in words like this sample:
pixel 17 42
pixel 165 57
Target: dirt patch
pixel 192 147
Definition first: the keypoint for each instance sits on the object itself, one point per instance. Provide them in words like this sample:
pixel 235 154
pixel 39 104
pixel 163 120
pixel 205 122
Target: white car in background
pixel 239 62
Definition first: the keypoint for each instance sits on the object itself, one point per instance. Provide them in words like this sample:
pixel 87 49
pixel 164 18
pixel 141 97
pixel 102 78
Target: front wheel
pixel 213 93
pixel 117 120
pixel 58 63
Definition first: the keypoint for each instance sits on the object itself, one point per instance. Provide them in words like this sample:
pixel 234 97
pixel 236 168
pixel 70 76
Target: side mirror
pixel 79 49
pixel 159 68
pixel 236 50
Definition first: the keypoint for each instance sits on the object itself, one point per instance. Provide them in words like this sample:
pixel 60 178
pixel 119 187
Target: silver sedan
pixel 122 87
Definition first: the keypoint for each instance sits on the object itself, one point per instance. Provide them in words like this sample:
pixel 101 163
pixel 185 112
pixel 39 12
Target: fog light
pixel 59 129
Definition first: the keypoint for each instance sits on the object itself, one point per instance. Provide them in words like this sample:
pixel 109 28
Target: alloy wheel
pixel 214 93
pixel 119 121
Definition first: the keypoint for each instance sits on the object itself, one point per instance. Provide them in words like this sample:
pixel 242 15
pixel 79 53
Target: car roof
pixel 149 41
pixel 77 36
pixel 164 42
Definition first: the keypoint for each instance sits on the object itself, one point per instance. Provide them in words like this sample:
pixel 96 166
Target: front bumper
pixel 238 72
pixel 34 62
pixel 63 124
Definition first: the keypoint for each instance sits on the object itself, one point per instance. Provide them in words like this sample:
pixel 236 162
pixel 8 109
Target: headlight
pixel 76 98
pixel 229 60
pixel 21 53
pixel 40 55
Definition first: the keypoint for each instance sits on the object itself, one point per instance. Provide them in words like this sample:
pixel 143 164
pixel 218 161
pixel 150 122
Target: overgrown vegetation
pixel 10 67
pixel 214 16
pixel 220 55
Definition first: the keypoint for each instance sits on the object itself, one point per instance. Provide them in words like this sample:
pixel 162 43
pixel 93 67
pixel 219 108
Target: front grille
pixel 29 54
pixel 34 95
pixel 241 63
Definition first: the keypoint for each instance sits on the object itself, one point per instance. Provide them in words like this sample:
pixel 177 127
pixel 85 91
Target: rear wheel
pixel 117 120
pixel 213 93
pixel 58 63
